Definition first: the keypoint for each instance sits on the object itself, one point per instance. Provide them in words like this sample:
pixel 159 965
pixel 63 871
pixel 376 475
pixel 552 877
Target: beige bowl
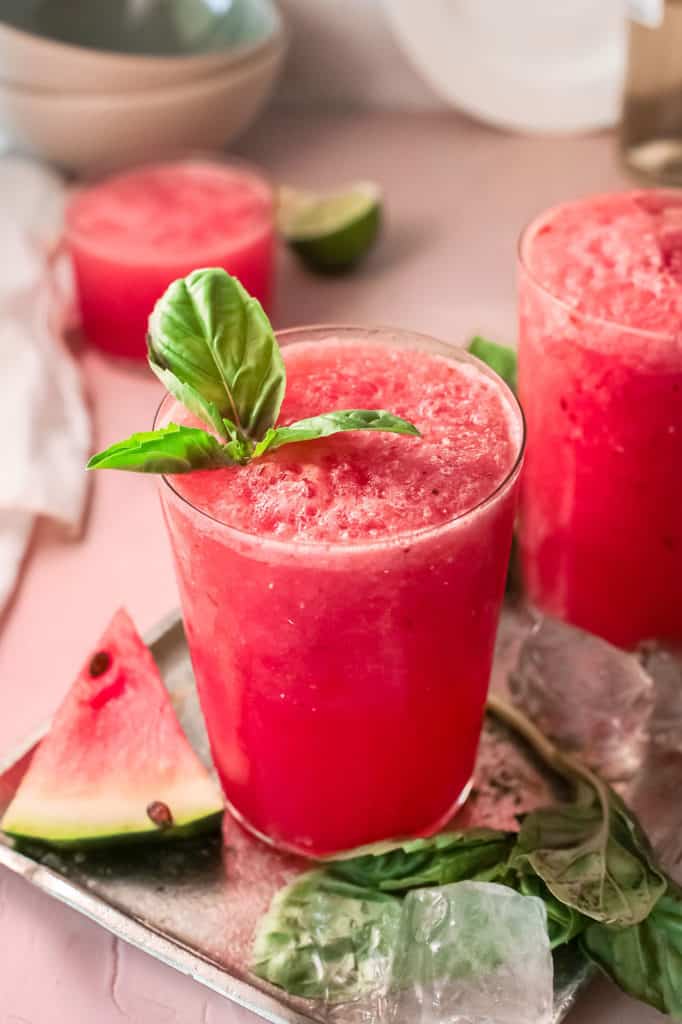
pixel 91 133
pixel 36 62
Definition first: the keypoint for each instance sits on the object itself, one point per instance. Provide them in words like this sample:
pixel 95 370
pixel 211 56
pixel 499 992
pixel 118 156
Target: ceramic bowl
pixel 122 45
pixel 93 133
pixel 543 68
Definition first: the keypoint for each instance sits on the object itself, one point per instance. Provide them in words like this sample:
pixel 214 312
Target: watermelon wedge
pixel 115 764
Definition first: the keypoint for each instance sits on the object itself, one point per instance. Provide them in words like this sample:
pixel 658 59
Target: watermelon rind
pixel 85 829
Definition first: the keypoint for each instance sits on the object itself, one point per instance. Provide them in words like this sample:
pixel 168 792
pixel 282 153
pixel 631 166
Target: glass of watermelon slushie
pixel 133 233
pixel 341 597
pixel 600 381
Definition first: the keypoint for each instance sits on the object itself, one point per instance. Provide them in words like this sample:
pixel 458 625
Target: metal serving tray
pixel 194 904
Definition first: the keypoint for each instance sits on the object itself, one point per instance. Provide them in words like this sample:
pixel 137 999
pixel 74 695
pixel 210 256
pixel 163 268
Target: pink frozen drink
pixel 600 381
pixel 341 596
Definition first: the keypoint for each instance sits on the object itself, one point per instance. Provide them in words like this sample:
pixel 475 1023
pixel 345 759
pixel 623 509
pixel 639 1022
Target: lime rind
pixel 331 233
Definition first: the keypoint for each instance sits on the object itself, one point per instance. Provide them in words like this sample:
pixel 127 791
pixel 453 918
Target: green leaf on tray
pixel 325 938
pixel 172 449
pixel 212 335
pixel 646 958
pixel 591 858
pixel 592 854
pixel 500 358
pixel 334 423
pixel 480 854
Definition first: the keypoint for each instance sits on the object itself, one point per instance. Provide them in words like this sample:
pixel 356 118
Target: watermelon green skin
pixel 114 750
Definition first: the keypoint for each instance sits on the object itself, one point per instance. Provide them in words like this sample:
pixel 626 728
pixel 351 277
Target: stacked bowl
pixel 93 84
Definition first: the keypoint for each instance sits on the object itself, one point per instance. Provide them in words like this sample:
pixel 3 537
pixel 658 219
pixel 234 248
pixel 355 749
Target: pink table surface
pixel 457 196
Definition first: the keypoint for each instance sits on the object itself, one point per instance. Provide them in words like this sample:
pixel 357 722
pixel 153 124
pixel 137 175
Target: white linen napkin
pixel 44 424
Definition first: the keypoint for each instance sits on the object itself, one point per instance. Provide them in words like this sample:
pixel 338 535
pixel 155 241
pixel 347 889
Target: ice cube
pixel 592 698
pixel 656 797
pixel 472 953
pixel 665 667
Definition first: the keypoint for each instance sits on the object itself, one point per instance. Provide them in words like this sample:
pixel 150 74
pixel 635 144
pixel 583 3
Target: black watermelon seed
pixel 99 663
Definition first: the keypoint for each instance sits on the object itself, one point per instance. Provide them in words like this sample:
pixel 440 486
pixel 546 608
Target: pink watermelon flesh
pixel 115 764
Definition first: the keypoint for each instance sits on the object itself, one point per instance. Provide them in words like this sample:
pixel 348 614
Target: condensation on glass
pixel 651 128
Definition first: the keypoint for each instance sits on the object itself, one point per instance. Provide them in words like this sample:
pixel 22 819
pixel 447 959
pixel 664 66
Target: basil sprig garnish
pixel 214 349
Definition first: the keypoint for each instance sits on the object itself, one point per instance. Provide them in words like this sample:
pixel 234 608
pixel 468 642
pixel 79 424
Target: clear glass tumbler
pixel 344 683
pixel 601 527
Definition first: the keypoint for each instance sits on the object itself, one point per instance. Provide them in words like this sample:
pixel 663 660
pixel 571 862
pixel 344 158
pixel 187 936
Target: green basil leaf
pixel 190 398
pixel 334 423
pixel 212 335
pixel 500 358
pixel 172 449
pixel 324 938
pixel 479 854
pixel 592 858
pixel 592 854
pixel 645 959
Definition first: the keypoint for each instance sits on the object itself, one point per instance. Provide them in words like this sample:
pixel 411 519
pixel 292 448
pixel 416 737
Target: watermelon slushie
pixel 341 596
pixel 132 234
pixel 600 380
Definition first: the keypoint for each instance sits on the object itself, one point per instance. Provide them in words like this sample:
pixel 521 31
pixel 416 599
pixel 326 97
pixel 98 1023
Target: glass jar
pixel 651 127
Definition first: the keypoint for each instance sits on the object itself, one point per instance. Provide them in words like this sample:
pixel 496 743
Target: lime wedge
pixel 331 233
